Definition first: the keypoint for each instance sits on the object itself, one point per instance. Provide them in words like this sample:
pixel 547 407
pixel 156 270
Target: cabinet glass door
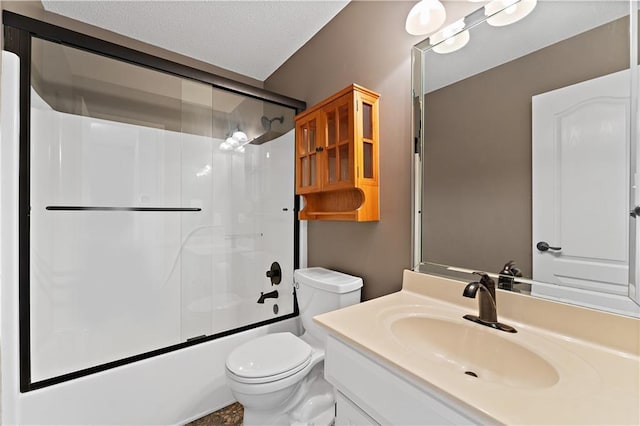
pixel 338 146
pixel 368 141
pixel 307 154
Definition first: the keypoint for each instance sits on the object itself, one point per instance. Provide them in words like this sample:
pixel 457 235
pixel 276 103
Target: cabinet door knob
pixel 319 149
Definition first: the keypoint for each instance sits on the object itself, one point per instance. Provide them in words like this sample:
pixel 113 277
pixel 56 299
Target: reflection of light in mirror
pixel 206 170
pixel 240 149
pixel 510 11
pixel 450 38
pixel 268 155
pixel 425 17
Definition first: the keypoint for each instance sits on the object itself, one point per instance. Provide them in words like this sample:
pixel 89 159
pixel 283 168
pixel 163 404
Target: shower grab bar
pixel 123 209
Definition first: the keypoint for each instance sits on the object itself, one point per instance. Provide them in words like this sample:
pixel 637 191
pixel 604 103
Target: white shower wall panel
pixel 108 285
pixel 99 289
pixel 196 257
pixel 236 240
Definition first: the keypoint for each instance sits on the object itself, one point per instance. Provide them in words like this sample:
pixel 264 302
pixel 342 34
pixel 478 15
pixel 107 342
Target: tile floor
pixel 227 416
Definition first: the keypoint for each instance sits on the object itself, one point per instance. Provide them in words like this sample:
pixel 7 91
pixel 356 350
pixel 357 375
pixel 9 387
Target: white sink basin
pixel 481 354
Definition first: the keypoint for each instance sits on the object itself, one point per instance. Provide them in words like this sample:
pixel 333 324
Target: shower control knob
pixel 275 273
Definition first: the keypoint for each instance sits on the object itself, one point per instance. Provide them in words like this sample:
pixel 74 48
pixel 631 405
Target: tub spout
pixel 271 295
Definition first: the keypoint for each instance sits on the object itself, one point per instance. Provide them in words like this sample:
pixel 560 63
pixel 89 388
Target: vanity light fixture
pixel 425 17
pixel 506 12
pixel 450 38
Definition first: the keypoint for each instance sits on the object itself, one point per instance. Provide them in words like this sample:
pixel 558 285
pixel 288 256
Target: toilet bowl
pixel 279 377
pixel 268 386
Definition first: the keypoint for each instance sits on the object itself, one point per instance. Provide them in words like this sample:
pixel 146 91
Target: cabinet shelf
pixel 337 157
pixel 329 215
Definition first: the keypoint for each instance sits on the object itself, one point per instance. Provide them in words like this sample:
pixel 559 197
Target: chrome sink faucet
pixel 488 315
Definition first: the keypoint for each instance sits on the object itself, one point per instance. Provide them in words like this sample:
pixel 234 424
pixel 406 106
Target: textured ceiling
pixel 252 38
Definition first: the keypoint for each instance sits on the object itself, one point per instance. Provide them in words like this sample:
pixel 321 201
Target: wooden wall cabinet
pixel 337 157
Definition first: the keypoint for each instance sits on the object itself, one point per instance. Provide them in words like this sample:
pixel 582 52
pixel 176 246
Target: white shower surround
pixel 169 389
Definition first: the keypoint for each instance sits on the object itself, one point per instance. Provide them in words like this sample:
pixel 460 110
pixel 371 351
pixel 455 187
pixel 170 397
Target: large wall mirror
pixel 526 150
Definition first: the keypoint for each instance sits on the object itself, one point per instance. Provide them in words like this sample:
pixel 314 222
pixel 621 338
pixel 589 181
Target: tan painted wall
pixel 365 44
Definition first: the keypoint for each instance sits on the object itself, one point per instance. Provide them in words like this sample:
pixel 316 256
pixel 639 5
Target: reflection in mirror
pixel 527 137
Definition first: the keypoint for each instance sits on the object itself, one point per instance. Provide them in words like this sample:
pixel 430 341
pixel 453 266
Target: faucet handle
pixel 485 278
pixel 510 268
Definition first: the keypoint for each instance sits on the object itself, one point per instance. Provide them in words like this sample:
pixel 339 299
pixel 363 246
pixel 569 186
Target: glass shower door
pixel 146 231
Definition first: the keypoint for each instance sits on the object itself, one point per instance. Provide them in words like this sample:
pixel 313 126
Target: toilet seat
pixel 268 358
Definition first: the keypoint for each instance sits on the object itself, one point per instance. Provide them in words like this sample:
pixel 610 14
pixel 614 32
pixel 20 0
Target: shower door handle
pixel 122 209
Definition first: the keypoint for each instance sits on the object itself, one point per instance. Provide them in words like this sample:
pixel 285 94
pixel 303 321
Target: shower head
pixel 266 122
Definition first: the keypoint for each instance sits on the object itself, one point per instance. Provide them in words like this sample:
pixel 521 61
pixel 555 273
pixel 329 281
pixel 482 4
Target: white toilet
pixel 279 378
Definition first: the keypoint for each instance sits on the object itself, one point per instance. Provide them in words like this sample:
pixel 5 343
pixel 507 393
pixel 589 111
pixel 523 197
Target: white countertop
pixel 595 354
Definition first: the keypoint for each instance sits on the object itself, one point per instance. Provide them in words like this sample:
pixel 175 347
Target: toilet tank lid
pixel 328 280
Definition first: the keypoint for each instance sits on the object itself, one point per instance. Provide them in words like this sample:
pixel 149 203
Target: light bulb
pixel 240 149
pixel 450 38
pixel 425 17
pixel 226 146
pixel 240 137
pixel 231 141
pixel 506 12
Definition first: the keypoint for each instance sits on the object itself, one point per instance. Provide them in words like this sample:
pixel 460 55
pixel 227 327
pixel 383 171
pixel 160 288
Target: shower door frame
pixel 18 32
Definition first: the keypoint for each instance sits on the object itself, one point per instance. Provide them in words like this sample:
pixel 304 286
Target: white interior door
pixel 581 193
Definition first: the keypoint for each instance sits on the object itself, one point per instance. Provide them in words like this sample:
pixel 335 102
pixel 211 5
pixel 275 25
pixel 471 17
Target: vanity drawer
pixel 382 394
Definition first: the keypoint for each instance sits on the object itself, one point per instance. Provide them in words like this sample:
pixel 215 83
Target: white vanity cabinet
pixel 370 392
pixel 349 414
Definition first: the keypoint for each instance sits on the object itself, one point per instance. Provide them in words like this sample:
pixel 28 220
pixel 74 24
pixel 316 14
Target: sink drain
pixel 470 373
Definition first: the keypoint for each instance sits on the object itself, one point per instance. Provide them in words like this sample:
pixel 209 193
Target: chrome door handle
pixel 544 246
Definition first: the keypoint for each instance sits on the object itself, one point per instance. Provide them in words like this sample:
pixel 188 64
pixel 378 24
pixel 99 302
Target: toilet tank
pixel 321 290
